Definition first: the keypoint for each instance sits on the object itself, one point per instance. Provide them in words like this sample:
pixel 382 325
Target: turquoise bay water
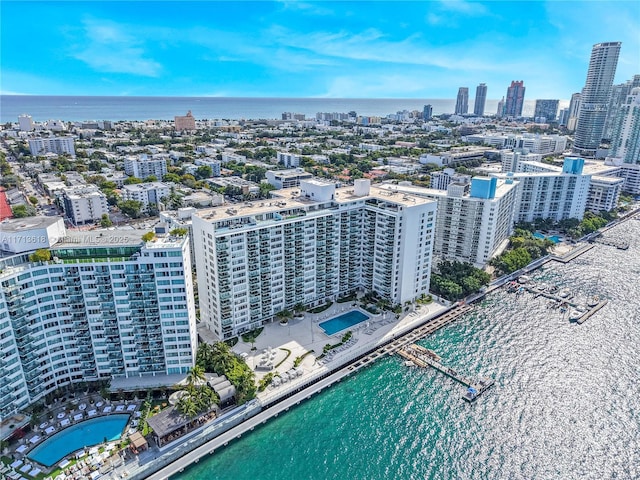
pixel 343 322
pixel 565 404
pixel 85 434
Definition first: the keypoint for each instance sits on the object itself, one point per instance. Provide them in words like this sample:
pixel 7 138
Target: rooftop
pixel 289 198
pixel 28 223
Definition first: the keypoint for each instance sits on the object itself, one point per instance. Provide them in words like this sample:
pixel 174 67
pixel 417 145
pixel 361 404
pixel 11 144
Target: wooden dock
pixel 589 313
pixel 423 357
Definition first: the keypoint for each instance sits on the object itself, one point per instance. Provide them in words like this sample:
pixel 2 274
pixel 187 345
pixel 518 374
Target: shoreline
pixel 310 386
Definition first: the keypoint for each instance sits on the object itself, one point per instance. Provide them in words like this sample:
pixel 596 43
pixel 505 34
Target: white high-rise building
pixel 144 167
pixel 594 99
pixel 59 145
pixel 619 94
pixel 511 158
pixel 106 305
pixel 546 191
pixel 307 246
pixel 625 142
pixel 604 193
pixel 474 220
pixel 25 123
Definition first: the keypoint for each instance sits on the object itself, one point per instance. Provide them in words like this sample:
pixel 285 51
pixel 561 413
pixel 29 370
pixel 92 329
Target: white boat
pixel 576 313
pixel 593 301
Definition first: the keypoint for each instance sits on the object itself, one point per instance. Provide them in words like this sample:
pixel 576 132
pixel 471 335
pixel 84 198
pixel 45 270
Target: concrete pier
pixel 424 357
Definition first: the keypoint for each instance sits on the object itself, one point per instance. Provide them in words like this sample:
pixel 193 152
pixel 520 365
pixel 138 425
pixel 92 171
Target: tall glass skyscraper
pixel 515 99
pixel 462 101
pixel 594 99
pixel 481 99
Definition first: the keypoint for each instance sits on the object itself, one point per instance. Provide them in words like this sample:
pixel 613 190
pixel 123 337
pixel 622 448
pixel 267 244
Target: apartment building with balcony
pixel 474 219
pixel 84 204
pixel 308 245
pixel 143 166
pixel 106 305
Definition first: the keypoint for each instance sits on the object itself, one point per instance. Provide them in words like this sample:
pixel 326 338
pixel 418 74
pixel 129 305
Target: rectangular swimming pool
pixel 343 321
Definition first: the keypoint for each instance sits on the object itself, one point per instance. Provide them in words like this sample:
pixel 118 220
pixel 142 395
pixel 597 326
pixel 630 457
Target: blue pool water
pixel 84 434
pixel 553 238
pixel 345 320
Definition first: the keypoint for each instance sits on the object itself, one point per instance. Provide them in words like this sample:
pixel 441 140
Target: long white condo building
pixel 106 305
pixel 306 246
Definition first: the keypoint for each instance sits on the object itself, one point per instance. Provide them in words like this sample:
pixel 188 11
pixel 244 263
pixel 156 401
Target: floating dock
pixel 423 357
pixel 591 312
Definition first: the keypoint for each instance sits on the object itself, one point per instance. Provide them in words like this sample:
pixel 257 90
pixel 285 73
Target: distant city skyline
pixel 308 49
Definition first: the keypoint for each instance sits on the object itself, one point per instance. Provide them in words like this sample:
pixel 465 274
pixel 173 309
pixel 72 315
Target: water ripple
pixel 565 405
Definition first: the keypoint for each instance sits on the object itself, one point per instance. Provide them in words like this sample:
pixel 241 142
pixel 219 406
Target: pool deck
pixel 62 415
pixel 302 335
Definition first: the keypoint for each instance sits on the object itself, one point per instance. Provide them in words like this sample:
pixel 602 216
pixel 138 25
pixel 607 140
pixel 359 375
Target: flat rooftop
pixel 28 223
pixel 289 198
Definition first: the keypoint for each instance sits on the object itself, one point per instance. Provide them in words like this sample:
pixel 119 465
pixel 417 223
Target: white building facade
pixel 96 311
pixel 308 246
pixel 57 145
pixel 84 204
pixel 149 194
pixel 144 167
pixel 474 220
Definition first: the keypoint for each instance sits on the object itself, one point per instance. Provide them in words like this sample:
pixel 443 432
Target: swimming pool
pixel 553 238
pixel 84 434
pixel 345 320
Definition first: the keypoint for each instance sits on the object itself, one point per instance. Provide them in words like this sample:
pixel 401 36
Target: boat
pixel 593 301
pixel 409 363
pixel 576 313
pixel 564 293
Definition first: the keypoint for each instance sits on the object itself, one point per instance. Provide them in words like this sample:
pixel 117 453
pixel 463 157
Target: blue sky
pixel 417 49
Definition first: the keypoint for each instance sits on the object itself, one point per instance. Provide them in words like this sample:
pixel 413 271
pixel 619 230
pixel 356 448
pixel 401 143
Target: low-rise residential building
pixel 307 246
pixel 149 194
pixel 287 178
pixel 289 160
pixel 106 305
pixel 440 180
pixel 246 187
pixel 84 204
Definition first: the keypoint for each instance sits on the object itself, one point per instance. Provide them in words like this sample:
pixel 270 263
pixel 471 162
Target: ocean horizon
pixel 116 108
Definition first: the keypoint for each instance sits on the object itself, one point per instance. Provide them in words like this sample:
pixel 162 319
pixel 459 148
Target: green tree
pixel 147 237
pixel 132 181
pixel 33 200
pixel 203 171
pixel 40 255
pixel 21 211
pixel 196 375
pixel 105 221
pixel 179 232
pixel 132 208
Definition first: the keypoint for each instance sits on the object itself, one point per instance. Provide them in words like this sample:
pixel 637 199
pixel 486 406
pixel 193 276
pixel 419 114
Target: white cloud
pixel 472 9
pixel 109 48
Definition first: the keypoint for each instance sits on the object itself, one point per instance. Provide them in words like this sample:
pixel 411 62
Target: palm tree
pixel 196 376
pixel 187 406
